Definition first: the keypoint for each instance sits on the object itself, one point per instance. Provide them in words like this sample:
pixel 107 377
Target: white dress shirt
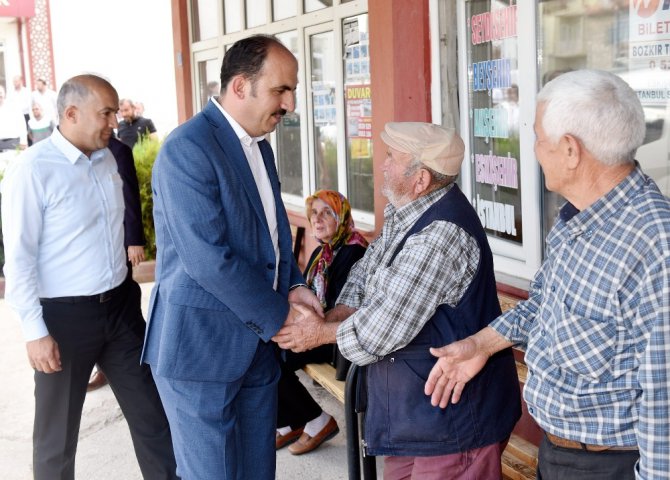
pixel 12 122
pixel 260 173
pixel 62 220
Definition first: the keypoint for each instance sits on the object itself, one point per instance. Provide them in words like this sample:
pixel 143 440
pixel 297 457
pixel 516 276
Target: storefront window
pixel 208 81
pixel 629 38
pixel 493 93
pixel 288 155
pixel 205 25
pixel 358 111
pixel 282 9
pixel 256 13
pixel 313 5
pixel 232 15
pixel 324 109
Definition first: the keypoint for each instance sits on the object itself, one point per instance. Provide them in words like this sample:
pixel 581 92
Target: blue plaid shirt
pixel 596 326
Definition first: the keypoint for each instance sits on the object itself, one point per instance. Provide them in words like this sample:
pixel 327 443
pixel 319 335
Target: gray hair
pixel 599 108
pixel 77 89
pixel 437 179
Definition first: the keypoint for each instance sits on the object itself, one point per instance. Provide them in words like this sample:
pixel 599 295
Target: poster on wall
pixel 493 92
pixel 649 51
pixel 359 119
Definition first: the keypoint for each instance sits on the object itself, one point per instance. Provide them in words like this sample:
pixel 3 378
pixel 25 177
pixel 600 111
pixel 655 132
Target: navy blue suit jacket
pixel 214 299
pixel 132 217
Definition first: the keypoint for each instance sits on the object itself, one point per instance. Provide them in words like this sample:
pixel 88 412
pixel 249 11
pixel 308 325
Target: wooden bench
pixel 519 460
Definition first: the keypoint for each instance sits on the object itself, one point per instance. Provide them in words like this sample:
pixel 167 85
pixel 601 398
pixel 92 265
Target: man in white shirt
pixel 66 278
pixel 13 133
pixel 22 98
pixel 47 98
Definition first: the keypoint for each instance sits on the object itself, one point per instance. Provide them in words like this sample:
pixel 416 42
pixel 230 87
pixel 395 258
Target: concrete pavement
pixel 105 450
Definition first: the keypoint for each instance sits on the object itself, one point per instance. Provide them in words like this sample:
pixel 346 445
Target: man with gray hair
pixel 428 278
pixel 62 218
pixel 596 326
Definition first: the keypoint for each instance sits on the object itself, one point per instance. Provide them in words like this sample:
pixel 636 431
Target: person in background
pixel 13 132
pixel 47 99
pixel 225 271
pixel 299 417
pixel 39 126
pixel 21 96
pixel 213 89
pixel 133 228
pixel 596 325
pixel 133 126
pixel 67 280
pixel 428 277
pixel 139 109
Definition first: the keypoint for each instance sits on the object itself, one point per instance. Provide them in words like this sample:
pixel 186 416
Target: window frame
pixel 519 262
pixel 305 24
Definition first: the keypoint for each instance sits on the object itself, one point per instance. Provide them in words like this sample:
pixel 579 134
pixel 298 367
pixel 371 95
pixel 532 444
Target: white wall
pixel 127 41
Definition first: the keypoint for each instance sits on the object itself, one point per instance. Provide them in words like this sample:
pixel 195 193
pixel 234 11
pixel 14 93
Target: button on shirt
pixel 62 220
pixel 253 155
pixel 596 326
pixel 434 267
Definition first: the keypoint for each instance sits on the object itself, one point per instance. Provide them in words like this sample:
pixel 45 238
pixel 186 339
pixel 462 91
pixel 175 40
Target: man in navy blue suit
pixel 225 271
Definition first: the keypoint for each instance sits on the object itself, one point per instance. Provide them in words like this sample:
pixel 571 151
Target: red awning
pixel 17 8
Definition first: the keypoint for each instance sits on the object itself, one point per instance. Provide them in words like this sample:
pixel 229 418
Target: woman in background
pixel 300 420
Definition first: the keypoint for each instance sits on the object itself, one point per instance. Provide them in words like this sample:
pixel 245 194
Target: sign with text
pixel 492 56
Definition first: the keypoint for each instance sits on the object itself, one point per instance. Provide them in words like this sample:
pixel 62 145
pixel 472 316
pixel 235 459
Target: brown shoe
pixel 97 380
pixel 306 443
pixel 282 440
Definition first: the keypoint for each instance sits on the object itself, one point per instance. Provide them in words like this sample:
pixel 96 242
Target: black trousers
pixel 556 463
pixel 295 405
pixel 111 334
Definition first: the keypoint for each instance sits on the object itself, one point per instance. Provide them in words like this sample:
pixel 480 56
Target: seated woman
pixel 299 418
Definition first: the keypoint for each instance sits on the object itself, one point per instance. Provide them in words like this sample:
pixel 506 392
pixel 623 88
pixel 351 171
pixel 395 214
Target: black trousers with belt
pixel 557 463
pixel 108 330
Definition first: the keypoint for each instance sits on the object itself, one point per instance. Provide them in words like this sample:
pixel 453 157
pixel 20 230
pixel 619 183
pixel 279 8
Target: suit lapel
pixel 231 146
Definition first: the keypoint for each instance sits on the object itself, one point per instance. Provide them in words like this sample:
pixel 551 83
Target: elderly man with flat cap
pixel 427 278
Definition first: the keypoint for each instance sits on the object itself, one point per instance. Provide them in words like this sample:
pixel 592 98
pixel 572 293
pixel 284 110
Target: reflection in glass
pixel 208 86
pixel 323 109
pixel 205 25
pixel 256 13
pixel 282 9
pixel 233 15
pixel 358 111
pixel 289 156
pixel 602 34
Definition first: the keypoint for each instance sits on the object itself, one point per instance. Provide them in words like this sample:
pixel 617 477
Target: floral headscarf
pixel 345 234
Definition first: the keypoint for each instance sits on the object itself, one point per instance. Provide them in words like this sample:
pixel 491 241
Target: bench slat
pixel 515 469
pixel 324 374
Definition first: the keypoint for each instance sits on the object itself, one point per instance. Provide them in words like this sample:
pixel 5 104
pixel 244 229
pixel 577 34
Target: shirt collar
pixel 246 139
pixel 71 152
pixel 600 211
pixel 408 214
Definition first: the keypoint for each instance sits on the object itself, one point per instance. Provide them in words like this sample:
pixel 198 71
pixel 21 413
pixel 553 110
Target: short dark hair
pixel 246 57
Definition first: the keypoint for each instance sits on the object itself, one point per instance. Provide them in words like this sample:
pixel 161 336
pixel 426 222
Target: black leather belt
pixel 103 297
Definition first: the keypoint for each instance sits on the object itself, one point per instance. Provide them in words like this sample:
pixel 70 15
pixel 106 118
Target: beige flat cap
pixel 436 147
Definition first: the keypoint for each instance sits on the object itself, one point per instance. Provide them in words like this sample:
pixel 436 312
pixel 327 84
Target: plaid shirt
pixel 434 267
pixel 596 326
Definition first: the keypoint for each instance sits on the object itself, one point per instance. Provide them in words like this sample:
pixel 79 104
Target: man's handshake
pixel 302 330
